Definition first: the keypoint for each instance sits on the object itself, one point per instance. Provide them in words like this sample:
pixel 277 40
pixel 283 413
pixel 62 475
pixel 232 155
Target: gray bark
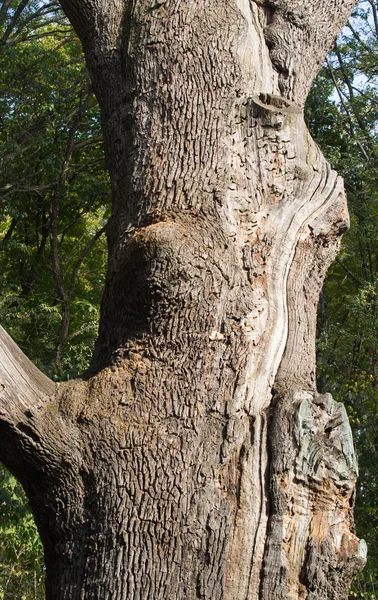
pixel 196 459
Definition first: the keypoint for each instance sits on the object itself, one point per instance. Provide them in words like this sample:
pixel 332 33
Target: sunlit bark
pixel 198 459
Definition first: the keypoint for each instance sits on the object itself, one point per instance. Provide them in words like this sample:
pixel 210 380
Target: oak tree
pixel 195 458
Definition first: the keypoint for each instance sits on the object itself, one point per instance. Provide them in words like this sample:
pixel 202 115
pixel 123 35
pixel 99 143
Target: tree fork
pixel 196 459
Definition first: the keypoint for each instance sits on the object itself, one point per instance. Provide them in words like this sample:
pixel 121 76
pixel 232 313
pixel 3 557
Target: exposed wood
pixel 24 394
pixel 20 379
pixel 299 34
pixel 311 551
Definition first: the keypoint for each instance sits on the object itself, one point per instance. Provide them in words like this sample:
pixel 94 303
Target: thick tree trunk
pixel 196 459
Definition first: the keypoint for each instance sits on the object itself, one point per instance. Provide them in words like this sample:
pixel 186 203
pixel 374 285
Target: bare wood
pixel 25 392
pixel 311 26
pixel 20 379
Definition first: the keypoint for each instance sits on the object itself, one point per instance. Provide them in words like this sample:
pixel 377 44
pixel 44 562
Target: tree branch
pixel 87 248
pixel 4 8
pixel 24 392
pixel 42 12
pixel 346 110
pixel 355 279
pixel 8 234
pixel 23 387
pixel 36 443
pixel 54 213
pixel 14 20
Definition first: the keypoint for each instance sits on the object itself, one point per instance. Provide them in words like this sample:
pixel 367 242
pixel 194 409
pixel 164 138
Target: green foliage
pixel 21 562
pixel 365 587
pixel 342 113
pixel 54 189
pixel 54 192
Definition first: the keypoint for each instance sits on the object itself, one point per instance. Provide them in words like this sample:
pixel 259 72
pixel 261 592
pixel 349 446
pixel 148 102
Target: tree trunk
pixel 196 458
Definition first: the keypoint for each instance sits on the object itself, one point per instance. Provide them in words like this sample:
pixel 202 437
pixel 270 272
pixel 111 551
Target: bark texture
pixel 196 458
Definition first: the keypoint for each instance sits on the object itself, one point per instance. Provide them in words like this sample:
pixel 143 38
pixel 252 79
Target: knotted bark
pixel 195 459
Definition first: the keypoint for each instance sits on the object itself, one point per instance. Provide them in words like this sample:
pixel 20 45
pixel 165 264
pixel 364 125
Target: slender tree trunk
pixel 196 458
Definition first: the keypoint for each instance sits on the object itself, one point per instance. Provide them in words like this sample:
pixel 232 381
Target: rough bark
pixel 196 458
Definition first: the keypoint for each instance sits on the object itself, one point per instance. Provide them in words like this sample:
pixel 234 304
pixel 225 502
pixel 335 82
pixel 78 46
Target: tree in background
pixel 21 556
pixel 53 190
pixel 342 113
pixel 54 196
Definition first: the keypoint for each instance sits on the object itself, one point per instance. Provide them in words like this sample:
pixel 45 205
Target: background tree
pixel 21 555
pixel 53 204
pixel 342 114
pixel 206 500
pixel 54 190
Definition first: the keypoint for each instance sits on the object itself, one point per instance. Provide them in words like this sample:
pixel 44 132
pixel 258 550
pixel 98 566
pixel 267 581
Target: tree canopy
pixel 54 190
pixel 342 113
pixel 54 203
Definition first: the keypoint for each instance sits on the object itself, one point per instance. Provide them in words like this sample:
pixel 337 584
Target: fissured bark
pixel 196 459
